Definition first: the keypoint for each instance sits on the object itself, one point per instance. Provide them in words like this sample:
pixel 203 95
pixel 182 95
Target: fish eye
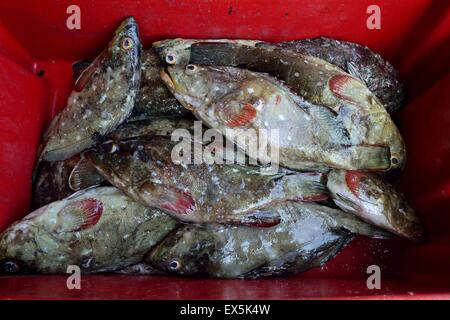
pixel 127 43
pixel 10 267
pixel 174 265
pixel 170 58
pixel 190 68
pixel 394 160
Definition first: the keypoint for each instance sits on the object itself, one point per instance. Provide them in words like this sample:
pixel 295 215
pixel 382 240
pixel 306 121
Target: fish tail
pixel 305 187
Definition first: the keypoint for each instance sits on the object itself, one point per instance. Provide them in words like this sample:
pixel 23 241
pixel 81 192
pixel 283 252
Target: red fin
pixel 352 179
pixel 245 116
pixel 342 86
pixel 278 99
pixel 83 79
pixel 86 75
pixel 183 204
pixel 80 215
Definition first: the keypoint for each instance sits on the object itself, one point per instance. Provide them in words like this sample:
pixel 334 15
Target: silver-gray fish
pixel 237 102
pixel 307 236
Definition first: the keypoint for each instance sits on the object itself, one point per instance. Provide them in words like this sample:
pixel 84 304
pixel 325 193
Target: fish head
pixel 198 87
pixel 185 251
pixel 375 201
pixel 125 47
pixel 174 51
pixel 190 84
pixel 18 248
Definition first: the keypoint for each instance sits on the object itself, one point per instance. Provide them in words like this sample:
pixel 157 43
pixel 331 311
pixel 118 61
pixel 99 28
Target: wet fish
pixel 103 97
pixel 153 99
pixel 52 179
pixel 59 179
pixel 145 170
pixel 307 236
pixel 98 229
pixel 318 81
pixel 367 196
pixel 237 101
pixel 378 74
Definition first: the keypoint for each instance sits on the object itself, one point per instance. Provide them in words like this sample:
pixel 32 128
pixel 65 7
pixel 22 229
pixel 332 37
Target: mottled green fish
pixel 308 236
pixel 98 229
pixel 103 97
pixel 237 102
pixel 202 193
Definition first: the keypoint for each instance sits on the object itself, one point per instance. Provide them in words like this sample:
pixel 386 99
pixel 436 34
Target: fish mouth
pixel 168 80
pixel 176 89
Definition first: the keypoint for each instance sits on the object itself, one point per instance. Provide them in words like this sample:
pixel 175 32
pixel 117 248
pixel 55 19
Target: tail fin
pixel 215 53
pixel 305 186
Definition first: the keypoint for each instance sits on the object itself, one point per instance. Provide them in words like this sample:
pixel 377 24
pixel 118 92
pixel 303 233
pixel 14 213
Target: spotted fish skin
pixel 154 99
pixel 319 82
pixel 103 98
pixel 236 101
pixel 378 74
pixel 98 229
pixel 372 199
pixel 143 168
pixel 307 236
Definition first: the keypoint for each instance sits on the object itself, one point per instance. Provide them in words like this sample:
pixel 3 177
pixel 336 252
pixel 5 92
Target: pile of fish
pixel 108 196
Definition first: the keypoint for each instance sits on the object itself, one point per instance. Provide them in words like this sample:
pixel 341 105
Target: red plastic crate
pixel 414 36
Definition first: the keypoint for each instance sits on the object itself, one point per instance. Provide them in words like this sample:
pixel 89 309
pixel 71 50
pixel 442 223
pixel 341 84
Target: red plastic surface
pixel 414 36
